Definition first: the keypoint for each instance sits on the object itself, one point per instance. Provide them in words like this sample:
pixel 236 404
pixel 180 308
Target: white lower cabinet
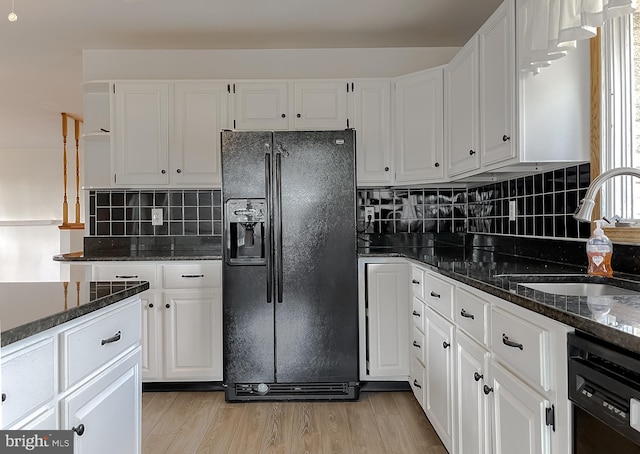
pixel 181 317
pixel 439 375
pixel 103 412
pixel 518 415
pixel 384 302
pixel 472 422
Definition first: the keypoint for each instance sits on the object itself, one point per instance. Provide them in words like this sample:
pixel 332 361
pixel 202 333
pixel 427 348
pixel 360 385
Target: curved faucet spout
pixel 583 214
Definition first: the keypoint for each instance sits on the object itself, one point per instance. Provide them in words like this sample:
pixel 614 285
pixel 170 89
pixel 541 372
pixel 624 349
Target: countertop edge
pixel 37 326
pixel 622 339
pixel 78 257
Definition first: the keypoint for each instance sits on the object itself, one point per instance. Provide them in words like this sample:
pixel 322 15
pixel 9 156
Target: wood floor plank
pixel 153 413
pixel 305 434
pixel 275 439
pixel 393 433
pixel 222 430
pixel 383 403
pixel 157 444
pixel 179 412
pixel 251 427
pixel 419 429
pixel 333 423
pixel 201 412
pixel 365 437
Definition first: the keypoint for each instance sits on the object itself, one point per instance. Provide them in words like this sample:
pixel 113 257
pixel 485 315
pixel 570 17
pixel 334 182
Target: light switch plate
pixel 156 216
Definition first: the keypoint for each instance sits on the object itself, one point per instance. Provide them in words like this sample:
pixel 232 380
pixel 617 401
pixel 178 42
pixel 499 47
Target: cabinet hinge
pixel 234 124
pixel 347 87
pixel 234 89
pixel 347 123
pixel 550 417
pixel 115 178
pixel 352 86
pixel 114 89
pixel 228 88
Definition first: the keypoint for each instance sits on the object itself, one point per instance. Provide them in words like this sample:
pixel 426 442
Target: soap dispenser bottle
pixel 599 252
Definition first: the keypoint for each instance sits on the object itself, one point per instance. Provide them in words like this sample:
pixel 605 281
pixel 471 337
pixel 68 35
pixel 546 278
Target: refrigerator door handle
pixel 278 224
pixel 268 227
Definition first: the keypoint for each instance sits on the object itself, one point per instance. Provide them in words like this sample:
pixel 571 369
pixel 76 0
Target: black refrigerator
pixel 289 269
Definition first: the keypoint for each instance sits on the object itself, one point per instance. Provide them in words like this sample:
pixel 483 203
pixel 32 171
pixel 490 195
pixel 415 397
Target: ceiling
pixel 41 52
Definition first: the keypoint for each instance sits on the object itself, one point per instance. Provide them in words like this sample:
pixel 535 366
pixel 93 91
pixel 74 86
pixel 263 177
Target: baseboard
pixel 182 386
pixel 384 386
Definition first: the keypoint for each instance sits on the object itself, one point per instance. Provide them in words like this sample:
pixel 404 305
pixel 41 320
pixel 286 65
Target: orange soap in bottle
pixel 599 252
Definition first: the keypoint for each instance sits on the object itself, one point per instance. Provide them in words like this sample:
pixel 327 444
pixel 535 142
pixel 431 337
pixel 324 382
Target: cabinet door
pixel 320 105
pixel 497 86
pixel 200 113
pixel 439 379
pixel 141 139
pixel 151 336
pixel 193 335
pixel 419 127
pixel 106 412
pixel 261 106
pixel 472 420
pixel 461 110
pixel 372 122
pixel 388 320
pixel 518 412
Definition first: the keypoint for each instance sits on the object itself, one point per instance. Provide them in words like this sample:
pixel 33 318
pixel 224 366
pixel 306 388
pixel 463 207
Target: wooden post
pixel 65 205
pixel 77 127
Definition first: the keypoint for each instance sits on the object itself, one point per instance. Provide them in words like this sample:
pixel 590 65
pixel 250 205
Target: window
pixel 621 113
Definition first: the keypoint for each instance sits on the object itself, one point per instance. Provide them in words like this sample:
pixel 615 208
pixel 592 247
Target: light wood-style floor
pixel 202 422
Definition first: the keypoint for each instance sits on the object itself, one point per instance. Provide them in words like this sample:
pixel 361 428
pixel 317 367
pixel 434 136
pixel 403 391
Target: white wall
pixel 262 63
pixel 31 192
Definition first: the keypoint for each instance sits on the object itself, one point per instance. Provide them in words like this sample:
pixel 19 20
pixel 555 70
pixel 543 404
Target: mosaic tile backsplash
pixel 544 202
pixel 128 212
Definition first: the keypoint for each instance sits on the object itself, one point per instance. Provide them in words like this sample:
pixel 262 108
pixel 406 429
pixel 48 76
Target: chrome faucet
pixel 583 213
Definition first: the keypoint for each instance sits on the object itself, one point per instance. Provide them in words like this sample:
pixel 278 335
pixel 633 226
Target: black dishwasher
pixel 604 387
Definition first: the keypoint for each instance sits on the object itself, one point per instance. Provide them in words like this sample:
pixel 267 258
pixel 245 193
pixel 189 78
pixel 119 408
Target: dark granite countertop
pixel 28 308
pixel 116 256
pixel 615 319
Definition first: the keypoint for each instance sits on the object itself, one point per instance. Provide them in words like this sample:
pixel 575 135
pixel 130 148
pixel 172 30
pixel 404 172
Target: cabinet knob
pixel 446 344
pixel 487 389
pixel 477 376
pixel 150 304
pixel 163 171
pixel 471 152
pixel 79 430
pixel 437 164
pixel 298 115
pixel 386 169
pixel 284 115
pixel 505 138
pixel 178 171
pixel 167 305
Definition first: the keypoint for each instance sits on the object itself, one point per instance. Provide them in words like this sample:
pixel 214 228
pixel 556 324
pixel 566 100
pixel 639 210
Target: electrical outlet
pixel 156 216
pixel 369 214
pixel 513 209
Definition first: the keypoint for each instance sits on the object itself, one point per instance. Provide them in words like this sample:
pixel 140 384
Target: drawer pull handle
pixel 415 281
pixel 446 344
pixel 477 376
pixel 4 397
pixel 510 343
pixel 487 389
pixel 435 295
pixel 465 314
pixel 416 313
pixel 192 276
pixel 111 340
pixel 415 344
pixel 126 276
pixel 79 430
pixel 415 383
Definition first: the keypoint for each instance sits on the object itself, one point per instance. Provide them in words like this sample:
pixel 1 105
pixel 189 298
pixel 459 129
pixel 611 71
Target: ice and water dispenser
pixel 245 231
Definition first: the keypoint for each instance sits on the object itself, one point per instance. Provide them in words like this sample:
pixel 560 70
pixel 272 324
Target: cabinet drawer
pixel 94 343
pixel 28 380
pixel 471 315
pixel 418 345
pixel 195 275
pixel 417 282
pixel 439 295
pixel 417 315
pixel 126 272
pixel 521 345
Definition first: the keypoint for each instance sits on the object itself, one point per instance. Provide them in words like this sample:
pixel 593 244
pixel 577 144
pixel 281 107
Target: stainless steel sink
pixel 578 288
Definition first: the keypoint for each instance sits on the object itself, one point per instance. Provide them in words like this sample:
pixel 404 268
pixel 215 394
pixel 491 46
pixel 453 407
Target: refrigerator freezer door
pixel 247 314
pixel 316 324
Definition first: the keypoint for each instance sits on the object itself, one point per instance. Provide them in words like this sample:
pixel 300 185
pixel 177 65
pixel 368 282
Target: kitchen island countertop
pixel 615 319
pixel 28 308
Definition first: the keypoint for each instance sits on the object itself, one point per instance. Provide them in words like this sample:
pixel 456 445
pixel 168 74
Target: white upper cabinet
pixel 320 105
pixel 141 136
pixel 498 86
pixel 200 113
pixel 260 105
pixel 371 118
pixel 419 127
pixel 461 107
